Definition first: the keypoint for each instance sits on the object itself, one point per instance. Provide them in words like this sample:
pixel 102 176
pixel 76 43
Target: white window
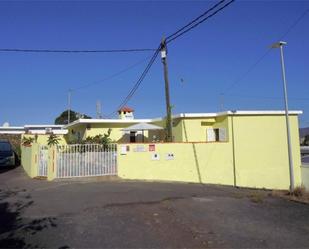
pixel 216 134
pixel 222 135
pixel 211 135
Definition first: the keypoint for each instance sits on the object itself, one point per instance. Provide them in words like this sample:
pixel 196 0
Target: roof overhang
pixel 238 113
pixel 182 115
pixel 44 126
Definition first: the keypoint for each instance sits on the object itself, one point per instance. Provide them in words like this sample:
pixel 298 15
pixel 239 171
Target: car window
pixel 5 146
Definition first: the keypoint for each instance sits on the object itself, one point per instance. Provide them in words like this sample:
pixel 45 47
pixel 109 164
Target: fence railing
pixel 82 160
pixel 43 160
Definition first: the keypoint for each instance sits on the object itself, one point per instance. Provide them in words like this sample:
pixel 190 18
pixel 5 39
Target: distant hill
pixel 303 131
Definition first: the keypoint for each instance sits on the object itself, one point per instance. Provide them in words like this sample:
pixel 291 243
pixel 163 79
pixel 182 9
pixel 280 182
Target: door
pixel 132 137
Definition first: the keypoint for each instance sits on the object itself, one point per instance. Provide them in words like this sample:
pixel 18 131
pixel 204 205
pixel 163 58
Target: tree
pixel 63 117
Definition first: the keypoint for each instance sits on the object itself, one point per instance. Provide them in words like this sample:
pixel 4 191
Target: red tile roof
pixel 126 109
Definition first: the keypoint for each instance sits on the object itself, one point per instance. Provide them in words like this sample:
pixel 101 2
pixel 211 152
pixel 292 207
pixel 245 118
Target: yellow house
pixel 239 148
pixel 191 127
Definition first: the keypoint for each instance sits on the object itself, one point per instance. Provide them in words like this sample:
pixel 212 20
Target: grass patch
pixel 300 194
pixel 256 197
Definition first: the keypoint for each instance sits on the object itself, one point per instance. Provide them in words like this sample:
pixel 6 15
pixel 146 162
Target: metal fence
pixel 82 160
pixel 43 160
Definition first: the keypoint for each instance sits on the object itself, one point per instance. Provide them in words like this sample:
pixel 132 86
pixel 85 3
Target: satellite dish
pixel 6 124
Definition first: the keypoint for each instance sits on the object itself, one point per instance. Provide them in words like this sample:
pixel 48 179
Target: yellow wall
pixel 42 138
pixel 261 155
pixel 194 162
pixel 117 135
pixel 116 132
pixel 29 157
pixel 259 150
pixel 194 129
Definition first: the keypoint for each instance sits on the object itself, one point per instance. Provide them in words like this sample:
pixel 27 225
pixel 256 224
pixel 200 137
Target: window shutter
pixel 222 135
pixel 211 135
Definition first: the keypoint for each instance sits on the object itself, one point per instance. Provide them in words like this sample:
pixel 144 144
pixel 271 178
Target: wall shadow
pixel 197 164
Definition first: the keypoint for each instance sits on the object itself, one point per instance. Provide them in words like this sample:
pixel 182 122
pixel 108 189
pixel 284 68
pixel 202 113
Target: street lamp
pixel 280 45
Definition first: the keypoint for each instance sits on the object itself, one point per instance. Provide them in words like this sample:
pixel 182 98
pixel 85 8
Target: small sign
pixel 152 147
pixel 139 148
pixel 155 156
pixel 169 156
pixel 123 150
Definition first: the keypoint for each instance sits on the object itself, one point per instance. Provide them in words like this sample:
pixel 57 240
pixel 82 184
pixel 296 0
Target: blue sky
pixel 202 64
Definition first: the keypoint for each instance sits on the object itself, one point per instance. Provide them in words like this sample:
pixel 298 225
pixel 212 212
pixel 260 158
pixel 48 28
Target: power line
pixel 111 76
pixel 183 30
pixel 75 51
pixel 241 77
pixel 194 20
pixel 170 38
pixel 138 82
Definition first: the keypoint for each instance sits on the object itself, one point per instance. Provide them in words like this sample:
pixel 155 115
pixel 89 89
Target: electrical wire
pixel 242 76
pixel 192 24
pixel 75 51
pixel 171 38
pixel 138 82
pixel 194 20
pixel 111 76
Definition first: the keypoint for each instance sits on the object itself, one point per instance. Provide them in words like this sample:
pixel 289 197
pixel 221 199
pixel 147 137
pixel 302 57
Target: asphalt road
pixel 89 214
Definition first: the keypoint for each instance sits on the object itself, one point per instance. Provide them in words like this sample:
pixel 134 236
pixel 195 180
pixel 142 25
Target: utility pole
pixel 99 109
pixel 69 104
pixel 221 102
pixel 280 45
pixel 169 135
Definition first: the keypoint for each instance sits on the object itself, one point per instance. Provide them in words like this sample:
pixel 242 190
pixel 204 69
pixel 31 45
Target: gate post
pixel 52 163
pixel 34 160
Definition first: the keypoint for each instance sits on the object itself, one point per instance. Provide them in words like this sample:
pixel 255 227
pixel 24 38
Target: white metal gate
pixel 82 160
pixel 43 160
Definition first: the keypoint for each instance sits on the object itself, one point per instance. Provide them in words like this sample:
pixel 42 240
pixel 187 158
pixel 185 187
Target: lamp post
pixel 280 45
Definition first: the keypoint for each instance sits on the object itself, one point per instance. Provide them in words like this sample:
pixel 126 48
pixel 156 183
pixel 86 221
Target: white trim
pixel 263 112
pixel 180 115
pixel 11 127
pixel 239 113
pixel 11 132
pixel 101 121
pixel 44 126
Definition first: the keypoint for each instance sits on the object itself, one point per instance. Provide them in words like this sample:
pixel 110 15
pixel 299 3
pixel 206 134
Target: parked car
pixel 7 154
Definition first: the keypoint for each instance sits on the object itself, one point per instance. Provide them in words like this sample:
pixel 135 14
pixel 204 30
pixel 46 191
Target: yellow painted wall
pixel 117 135
pixel 260 152
pixel 195 129
pixel 116 132
pixel 29 157
pixel 75 132
pixel 194 162
pixel 261 155
pixel 42 138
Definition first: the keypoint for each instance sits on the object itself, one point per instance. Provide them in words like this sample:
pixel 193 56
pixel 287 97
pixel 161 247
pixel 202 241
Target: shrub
pixel 53 140
pixel 299 191
pixel 27 141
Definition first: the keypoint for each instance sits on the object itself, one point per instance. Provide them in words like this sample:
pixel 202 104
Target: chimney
pixel 126 113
